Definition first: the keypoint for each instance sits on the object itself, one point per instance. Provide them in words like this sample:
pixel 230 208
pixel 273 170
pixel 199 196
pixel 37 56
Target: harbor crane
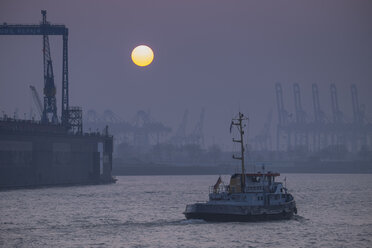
pixel 45 29
pixel 319 115
pixel 282 130
pixel 300 133
pixel 50 105
pixel 358 110
pixel 336 112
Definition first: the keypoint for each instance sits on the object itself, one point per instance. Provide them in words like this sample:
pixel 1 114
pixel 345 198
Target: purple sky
pixel 220 55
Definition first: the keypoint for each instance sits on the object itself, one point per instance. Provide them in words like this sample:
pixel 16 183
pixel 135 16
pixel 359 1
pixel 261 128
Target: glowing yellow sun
pixel 142 55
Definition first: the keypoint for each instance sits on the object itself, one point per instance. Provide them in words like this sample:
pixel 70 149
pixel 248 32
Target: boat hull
pixel 231 213
pixel 213 217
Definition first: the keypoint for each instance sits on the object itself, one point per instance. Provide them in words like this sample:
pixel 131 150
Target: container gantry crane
pixel 282 130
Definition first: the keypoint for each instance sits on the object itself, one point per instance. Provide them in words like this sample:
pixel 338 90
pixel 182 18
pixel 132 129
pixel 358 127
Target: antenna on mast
pixel 238 122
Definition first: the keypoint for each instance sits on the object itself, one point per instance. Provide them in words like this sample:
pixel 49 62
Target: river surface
pixel 146 211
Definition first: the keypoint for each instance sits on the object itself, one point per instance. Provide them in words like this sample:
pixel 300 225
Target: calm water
pixel 146 211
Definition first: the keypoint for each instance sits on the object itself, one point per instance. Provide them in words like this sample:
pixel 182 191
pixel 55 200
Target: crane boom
pixel 37 101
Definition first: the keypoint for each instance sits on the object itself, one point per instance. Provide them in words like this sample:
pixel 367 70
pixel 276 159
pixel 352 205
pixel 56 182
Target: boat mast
pixel 238 122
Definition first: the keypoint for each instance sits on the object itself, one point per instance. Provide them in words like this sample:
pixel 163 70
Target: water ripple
pixel 334 211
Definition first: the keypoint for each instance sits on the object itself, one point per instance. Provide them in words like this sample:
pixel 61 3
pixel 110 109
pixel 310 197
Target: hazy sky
pixel 220 55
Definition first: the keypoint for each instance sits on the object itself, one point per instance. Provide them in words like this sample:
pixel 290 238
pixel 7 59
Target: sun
pixel 142 55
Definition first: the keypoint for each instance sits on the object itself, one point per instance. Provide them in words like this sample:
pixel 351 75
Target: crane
pixel 318 113
pixel 337 114
pixel 263 139
pixel 319 120
pixel 50 105
pixel 301 132
pixel 45 29
pixel 180 136
pixel 37 101
pixel 197 136
pixel 282 113
pixel 300 113
pixel 358 110
pixel 338 137
pixel 282 118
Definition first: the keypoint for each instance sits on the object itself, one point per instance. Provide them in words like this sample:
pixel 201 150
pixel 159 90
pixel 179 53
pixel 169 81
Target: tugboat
pixel 248 197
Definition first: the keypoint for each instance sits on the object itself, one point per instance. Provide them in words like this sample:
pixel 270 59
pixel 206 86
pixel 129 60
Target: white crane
pixel 37 101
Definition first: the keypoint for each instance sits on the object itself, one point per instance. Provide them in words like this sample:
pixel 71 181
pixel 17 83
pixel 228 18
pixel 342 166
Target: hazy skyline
pixel 224 56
